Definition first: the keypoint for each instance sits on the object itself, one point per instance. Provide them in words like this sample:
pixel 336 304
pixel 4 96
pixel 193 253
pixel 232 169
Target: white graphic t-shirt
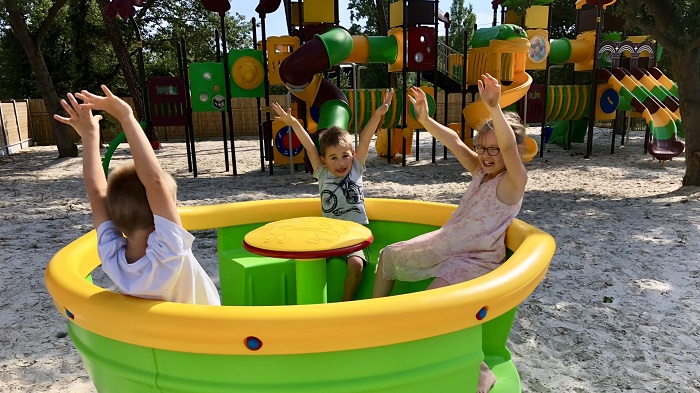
pixel 343 198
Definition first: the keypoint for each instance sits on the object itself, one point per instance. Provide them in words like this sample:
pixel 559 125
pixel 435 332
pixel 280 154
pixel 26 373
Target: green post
pixel 311 281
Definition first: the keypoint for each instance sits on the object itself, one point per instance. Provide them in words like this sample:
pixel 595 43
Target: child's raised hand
pixel 489 91
pixel 80 118
pixel 285 116
pixel 384 108
pixel 110 103
pixel 420 103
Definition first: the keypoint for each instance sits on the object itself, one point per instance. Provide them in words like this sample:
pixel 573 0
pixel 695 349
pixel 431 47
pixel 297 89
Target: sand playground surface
pixel 619 308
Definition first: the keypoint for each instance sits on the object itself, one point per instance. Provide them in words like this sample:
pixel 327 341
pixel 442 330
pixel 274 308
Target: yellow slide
pixel 476 113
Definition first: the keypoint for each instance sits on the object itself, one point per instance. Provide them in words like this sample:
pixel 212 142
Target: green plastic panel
pixel 207 87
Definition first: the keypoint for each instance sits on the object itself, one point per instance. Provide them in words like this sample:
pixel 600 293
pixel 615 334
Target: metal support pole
pixel 594 86
pixel 189 114
pixel 223 115
pixel 227 80
pixel 268 151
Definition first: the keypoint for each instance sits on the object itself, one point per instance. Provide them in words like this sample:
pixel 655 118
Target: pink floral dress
pixel 469 245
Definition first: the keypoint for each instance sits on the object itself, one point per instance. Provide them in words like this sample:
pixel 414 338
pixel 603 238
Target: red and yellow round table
pixel 309 241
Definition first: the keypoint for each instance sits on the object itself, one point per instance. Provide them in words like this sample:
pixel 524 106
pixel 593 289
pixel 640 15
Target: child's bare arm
pixel 466 156
pixel 304 138
pixel 147 166
pixel 516 178
pixel 371 127
pixel 88 127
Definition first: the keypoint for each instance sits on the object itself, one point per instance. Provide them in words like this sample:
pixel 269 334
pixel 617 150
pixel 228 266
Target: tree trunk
pixel 686 67
pixel 124 58
pixel 65 136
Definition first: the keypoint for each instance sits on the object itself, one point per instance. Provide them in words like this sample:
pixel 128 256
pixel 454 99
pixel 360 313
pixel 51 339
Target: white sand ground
pixel 626 231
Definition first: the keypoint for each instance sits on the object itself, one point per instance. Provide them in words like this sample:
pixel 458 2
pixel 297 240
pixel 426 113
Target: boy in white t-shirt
pixel 141 242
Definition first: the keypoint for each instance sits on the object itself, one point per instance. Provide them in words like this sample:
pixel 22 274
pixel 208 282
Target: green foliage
pixel 519 6
pixel 79 55
pixel 678 25
pixel 363 17
pixel 462 21
pixel 168 22
pixel 563 19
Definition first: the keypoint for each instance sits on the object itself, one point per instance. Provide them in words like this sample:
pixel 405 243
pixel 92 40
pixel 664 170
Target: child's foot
pixel 486 379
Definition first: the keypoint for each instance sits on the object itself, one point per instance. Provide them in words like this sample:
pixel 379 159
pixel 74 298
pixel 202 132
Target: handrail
pixel 443 61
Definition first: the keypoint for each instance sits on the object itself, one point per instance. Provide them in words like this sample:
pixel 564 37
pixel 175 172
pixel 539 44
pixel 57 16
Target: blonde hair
pixel 513 121
pixel 334 136
pixel 127 203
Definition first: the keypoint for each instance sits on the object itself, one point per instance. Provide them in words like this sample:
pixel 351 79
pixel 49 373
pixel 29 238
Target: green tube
pixel 112 147
pixel 674 89
pixel 338 44
pixel 383 49
pixel 393 121
pixel 679 128
pixel 664 132
pixel 559 51
pixel 369 110
pixel 334 113
pixel 660 93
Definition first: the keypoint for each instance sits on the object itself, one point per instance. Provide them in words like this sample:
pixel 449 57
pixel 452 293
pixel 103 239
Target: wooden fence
pixel 207 125
pixel 15 130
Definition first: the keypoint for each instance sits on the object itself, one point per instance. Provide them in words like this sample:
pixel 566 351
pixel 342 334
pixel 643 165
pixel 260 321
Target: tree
pixel 462 21
pixel 31 42
pixel 676 25
pixel 160 25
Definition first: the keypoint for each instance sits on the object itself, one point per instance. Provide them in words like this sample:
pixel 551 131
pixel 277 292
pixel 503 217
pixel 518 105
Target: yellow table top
pixel 308 236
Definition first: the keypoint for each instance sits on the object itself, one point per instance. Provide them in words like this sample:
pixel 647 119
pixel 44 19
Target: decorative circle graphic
pixel 247 72
pixel 282 142
pixel 609 100
pixel 539 49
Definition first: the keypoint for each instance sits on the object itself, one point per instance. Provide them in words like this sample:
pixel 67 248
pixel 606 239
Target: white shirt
pixel 169 271
pixel 343 197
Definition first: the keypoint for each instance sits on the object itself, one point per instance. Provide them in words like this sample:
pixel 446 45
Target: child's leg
pixel 486 376
pixel 486 379
pixel 437 283
pixel 354 277
pixel 382 287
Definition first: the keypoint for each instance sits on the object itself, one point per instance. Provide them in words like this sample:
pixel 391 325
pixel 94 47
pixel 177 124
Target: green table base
pixel 311 279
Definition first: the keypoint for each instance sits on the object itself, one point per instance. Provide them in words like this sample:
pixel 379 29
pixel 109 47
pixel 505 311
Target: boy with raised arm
pixel 143 248
pixel 339 168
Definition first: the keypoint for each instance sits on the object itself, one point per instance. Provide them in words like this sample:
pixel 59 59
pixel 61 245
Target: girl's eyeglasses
pixel 492 151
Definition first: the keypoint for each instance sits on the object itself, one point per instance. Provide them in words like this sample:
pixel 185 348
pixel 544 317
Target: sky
pixel 275 24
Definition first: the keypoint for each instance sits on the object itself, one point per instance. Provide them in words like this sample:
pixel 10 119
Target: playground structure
pixel 317 45
pixel 624 76
pixel 261 340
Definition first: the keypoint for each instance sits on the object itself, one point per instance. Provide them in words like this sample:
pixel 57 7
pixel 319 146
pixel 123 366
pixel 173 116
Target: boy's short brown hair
pixel 334 136
pixel 513 121
pixel 127 204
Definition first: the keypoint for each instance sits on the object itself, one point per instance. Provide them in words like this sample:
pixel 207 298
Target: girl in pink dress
pixel 472 241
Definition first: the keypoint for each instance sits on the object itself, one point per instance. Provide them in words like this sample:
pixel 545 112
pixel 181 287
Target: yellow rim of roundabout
pixel 297 329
